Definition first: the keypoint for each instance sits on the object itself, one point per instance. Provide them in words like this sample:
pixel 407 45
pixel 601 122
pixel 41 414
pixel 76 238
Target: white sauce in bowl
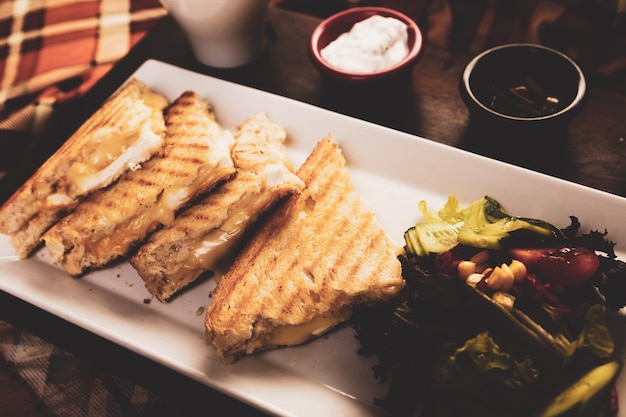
pixel 372 45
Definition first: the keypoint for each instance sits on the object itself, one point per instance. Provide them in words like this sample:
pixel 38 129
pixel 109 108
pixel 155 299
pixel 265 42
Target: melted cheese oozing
pixel 212 251
pixel 154 100
pixel 219 242
pixel 102 147
pixel 170 201
pixel 299 333
pixel 110 153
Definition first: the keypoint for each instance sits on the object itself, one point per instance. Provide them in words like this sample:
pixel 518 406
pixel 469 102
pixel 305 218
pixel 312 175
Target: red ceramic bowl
pixel 329 29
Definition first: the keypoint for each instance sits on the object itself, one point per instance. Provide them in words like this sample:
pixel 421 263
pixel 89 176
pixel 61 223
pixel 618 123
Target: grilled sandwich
pixel 316 256
pixel 111 222
pixel 206 235
pixel 125 132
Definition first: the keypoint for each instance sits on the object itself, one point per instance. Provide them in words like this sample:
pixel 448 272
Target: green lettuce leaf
pixel 595 335
pixel 497 365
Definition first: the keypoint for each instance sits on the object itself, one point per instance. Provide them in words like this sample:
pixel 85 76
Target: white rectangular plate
pixel 392 170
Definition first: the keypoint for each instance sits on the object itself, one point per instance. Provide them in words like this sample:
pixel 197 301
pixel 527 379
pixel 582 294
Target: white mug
pixel 222 33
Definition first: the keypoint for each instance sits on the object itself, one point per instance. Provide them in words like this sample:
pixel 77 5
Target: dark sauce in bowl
pixel 524 98
pixel 523 81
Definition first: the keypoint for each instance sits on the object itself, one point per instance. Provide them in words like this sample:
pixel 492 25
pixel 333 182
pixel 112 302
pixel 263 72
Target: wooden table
pixel 591 152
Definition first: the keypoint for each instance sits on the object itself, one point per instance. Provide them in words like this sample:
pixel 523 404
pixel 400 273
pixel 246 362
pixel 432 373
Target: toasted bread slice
pixel 319 254
pixel 125 132
pixel 205 236
pixel 111 222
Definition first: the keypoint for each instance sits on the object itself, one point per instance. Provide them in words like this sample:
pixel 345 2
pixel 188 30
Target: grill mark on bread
pixel 136 205
pixel 315 176
pixel 20 213
pixel 285 292
pixel 186 146
pixel 209 231
pixel 318 271
pixel 326 197
pixel 139 181
pixel 112 115
pixel 274 232
pixel 340 248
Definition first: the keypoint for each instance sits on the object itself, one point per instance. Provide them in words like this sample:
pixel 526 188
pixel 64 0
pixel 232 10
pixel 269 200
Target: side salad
pixel 501 316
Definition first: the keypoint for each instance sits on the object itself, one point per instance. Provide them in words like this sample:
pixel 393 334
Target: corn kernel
pixel 465 269
pixel 500 279
pixel 518 269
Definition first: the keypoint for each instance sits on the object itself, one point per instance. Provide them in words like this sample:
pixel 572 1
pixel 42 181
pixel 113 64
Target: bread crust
pixel 52 191
pixel 318 254
pixel 206 235
pixel 111 222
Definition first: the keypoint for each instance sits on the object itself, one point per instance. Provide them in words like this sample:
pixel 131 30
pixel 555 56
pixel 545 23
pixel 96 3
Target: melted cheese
pixel 163 211
pixel 104 145
pixel 212 251
pixel 218 243
pixel 296 334
pixel 153 99
pixel 170 201
pixel 108 154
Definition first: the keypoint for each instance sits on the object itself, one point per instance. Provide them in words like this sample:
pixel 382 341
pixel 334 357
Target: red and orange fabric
pixel 55 50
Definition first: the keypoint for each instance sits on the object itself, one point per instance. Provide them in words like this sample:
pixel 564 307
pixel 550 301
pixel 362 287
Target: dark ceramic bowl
pixel 523 85
pixel 329 29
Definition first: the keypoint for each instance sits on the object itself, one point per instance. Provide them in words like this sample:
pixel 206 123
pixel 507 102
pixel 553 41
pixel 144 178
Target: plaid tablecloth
pixel 68 386
pixel 53 50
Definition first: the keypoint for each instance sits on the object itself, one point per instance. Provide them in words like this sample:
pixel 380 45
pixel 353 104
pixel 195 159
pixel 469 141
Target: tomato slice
pixel 564 266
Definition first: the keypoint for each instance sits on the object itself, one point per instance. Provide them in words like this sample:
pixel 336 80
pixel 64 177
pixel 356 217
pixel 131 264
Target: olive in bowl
pixel 366 47
pixel 523 85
